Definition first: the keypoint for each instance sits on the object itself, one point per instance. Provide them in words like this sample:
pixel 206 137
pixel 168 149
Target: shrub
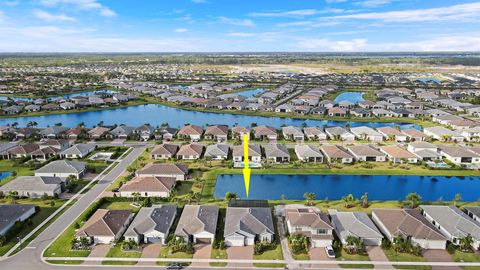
pixel 451 248
pixel 261 247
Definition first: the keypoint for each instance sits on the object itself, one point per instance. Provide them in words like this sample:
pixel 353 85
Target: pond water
pixel 4 175
pixel 80 94
pixel 354 97
pixel 251 92
pixel 428 80
pixel 334 187
pixel 157 114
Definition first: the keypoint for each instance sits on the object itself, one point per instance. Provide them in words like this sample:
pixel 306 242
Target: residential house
pixel 339 133
pixel 217 133
pixel 366 133
pixel 443 134
pixel 198 224
pixel 276 153
pixel 366 153
pixel 190 151
pixel 336 153
pixel 148 186
pixel 471 134
pixel 238 132
pixel 22 151
pixel 152 224
pixel 397 154
pixel 473 212
pixel 337 112
pixel 178 171
pixel 80 150
pixel 191 132
pixel 459 155
pixel 63 169
pixel 145 132
pixel 424 151
pixel 414 134
pixel 310 222
pixel 390 133
pixel 105 226
pixel 314 133
pixel 53 132
pixel 217 151
pixel 97 133
pixel 356 224
pixel 246 225
pixel 166 134
pixel 308 153
pixel 254 155
pixel 34 186
pixel 408 224
pixel 292 133
pixel 164 151
pixel 452 223
pixel 265 133
pixel 13 213
pixel 121 132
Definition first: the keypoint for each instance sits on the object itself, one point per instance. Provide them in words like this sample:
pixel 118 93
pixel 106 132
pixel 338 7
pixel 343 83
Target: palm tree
pixel 457 199
pixel 310 197
pixel 32 124
pixel 230 196
pixel 349 199
pixel 136 196
pixel 364 199
pixel 413 199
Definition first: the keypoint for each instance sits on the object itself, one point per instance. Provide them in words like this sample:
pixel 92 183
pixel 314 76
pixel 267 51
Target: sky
pixel 239 26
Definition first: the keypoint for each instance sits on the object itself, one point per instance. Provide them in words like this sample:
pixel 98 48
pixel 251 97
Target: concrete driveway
pixel 240 253
pixel 375 253
pixel 202 252
pixel 439 255
pixel 99 251
pixel 319 254
pixel 150 251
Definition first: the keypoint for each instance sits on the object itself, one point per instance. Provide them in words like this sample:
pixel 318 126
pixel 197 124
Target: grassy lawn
pixel 165 253
pixel 301 256
pixel 117 252
pixel 119 206
pixel 275 254
pixel 44 211
pixel 7 165
pixel 65 262
pixel 405 257
pixel 344 256
pixel 218 254
pixel 466 257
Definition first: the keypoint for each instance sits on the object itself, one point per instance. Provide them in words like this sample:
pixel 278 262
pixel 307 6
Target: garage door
pixel 204 240
pixel 154 239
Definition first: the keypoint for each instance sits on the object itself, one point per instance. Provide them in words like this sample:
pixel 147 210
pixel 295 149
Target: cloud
pixel 49 17
pixel 460 12
pixel 298 23
pixel 82 4
pixel 323 44
pixel 239 22
pixel 241 34
pixel 373 3
pixel 180 30
pixel 291 13
pixel 10 3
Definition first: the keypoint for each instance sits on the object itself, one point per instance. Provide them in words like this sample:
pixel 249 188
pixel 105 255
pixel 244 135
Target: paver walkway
pixel 240 253
pixel 319 254
pixel 202 252
pixel 98 251
pixel 439 255
pixel 150 251
pixel 375 253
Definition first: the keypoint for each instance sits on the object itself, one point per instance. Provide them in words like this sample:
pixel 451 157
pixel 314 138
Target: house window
pixel 298 229
pixel 321 231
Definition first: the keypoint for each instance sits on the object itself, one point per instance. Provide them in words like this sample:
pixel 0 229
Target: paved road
pixel 30 257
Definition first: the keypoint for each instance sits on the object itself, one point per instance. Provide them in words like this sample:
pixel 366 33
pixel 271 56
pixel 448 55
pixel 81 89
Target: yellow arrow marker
pixel 246 169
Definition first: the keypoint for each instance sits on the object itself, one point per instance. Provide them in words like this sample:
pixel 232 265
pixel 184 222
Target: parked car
pixel 330 252
pixel 175 266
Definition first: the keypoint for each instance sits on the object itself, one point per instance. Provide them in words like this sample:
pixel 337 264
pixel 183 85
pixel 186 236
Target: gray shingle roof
pixel 354 223
pixel 10 213
pixel 63 166
pixel 79 149
pixel 196 219
pixel 250 220
pixel 32 183
pixel 217 150
pixel 453 220
pixel 156 218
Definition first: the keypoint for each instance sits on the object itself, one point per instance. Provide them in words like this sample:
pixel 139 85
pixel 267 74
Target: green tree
pixel 457 199
pixel 413 200
pixel 349 200
pixel 309 197
pixel 466 243
pixel 364 199
pixel 230 196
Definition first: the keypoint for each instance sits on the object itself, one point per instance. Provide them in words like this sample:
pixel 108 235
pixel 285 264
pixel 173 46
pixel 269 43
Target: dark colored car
pixel 174 266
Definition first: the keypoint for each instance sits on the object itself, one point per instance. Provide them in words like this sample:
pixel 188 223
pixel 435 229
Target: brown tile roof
pixel 217 130
pixel 309 217
pixel 191 130
pixel 191 149
pixel 104 222
pixel 407 222
pixel 264 130
pixel 413 133
pixel 389 131
pixel 24 149
pixel 149 184
pixel 163 168
pixel 165 149
pixel 396 152
pixel 334 151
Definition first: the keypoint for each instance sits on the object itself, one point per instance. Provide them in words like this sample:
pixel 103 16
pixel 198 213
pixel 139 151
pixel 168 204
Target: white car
pixel 330 252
